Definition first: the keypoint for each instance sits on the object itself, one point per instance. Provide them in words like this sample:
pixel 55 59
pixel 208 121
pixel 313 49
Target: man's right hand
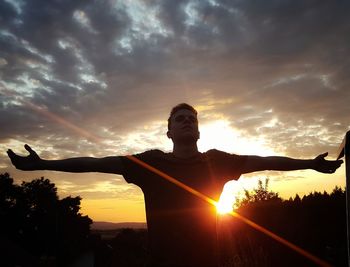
pixel 80 164
pixel 27 163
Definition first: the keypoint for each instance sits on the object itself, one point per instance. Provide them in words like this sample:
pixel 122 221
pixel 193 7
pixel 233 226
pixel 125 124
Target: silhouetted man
pixel 181 227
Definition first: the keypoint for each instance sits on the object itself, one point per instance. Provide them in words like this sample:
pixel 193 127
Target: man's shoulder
pixel 216 152
pixel 152 153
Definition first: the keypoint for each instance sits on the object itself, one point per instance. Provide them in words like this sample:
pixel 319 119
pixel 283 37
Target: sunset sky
pixel 98 78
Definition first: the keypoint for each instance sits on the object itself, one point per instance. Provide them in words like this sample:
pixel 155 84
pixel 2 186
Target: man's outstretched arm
pixel 33 162
pixel 320 164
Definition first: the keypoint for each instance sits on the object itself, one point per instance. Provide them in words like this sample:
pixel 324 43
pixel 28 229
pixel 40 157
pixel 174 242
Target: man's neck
pixel 185 150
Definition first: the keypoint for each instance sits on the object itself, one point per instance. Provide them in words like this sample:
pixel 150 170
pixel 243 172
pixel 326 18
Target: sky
pixel 98 78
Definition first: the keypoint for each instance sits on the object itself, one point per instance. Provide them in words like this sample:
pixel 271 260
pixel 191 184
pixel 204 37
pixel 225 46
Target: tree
pixel 34 219
pixel 259 194
pixel 316 222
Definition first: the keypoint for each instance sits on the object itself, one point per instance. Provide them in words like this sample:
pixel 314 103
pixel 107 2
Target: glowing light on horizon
pixel 225 204
pixel 228 197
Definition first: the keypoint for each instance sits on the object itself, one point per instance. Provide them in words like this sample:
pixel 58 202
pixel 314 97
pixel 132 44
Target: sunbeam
pixel 53 117
pixel 233 213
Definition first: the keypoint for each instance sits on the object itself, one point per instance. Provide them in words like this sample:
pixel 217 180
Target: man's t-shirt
pixel 181 226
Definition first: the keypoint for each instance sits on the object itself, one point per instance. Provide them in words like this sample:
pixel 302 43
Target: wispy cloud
pixel 113 69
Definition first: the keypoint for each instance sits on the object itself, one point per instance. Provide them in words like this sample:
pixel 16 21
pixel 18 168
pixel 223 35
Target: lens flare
pixel 53 117
pixel 225 203
pixel 283 241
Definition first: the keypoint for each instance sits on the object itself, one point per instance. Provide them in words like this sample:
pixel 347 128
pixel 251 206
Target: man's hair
pixel 179 107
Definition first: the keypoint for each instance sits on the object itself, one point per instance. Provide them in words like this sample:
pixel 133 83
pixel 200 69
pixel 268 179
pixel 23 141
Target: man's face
pixel 184 127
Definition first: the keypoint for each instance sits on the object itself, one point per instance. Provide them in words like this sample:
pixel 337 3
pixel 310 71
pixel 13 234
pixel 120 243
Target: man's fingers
pixel 13 157
pixel 10 153
pixel 335 165
pixel 29 149
pixel 324 155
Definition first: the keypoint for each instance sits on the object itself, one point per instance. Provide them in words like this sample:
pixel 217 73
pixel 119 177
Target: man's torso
pixel 182 226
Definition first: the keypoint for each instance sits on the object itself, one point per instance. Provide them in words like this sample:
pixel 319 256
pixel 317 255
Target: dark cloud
pixel 277 69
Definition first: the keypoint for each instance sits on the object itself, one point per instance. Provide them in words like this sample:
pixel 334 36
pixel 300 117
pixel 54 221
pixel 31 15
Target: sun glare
pixel 220 135
pixel 230 193
pixel 225 204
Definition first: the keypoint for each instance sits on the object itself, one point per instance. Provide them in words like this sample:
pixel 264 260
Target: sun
pixel 232 190
pixel 225 204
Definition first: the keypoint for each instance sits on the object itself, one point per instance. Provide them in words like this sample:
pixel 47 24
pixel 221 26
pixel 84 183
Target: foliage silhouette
pixel 315 222
pixel 38 225
pixel 259 194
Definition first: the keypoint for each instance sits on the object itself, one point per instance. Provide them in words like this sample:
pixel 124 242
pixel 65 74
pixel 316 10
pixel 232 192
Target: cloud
pixel 113 69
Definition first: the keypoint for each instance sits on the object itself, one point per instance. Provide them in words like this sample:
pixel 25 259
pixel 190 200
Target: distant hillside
pixel 111 226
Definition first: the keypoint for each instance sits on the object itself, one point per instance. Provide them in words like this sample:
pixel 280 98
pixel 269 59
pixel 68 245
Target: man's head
pixel 183 124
